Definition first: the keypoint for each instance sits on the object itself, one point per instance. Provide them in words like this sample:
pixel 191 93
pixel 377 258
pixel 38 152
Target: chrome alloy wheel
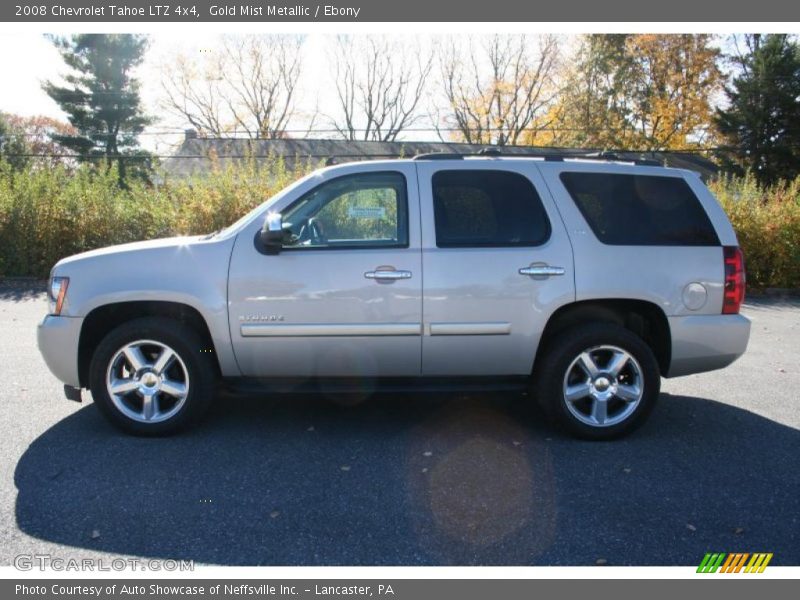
pixel 603 386
pixel 147 381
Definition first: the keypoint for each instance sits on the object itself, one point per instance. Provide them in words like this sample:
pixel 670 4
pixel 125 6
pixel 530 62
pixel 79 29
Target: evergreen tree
pixel 762 122
pixel 101 98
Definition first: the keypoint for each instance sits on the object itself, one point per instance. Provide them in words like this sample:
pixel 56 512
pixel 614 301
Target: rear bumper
pixel 706 342
pixel 58 342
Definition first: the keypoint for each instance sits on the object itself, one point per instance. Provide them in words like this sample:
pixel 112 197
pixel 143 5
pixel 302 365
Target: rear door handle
pixel 387 275
pixel 542 271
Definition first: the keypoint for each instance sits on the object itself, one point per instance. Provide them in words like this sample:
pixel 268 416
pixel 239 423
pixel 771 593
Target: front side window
pixel 484 208
pixel 354 211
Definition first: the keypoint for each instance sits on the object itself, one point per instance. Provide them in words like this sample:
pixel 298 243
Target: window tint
pixel 487 208
pixel 365 210
pixel 640 210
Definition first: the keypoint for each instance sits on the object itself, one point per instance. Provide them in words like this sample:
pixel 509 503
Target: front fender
pixel 194 274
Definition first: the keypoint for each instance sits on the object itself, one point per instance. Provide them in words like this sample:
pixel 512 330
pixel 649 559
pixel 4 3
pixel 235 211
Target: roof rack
pixel 550 157
pixel 645 162
pixel 440 156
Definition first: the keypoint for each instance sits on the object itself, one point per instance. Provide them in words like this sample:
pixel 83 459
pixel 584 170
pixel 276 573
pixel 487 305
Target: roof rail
pixel 440 156
pixel 547 156
pixel 605 155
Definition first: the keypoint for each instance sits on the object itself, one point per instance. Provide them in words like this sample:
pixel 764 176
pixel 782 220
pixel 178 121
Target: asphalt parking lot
pixel 440 480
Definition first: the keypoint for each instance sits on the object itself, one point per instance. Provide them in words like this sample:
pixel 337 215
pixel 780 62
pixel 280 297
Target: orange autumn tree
pixel 674 79
pixel 33 140
pixel 639 92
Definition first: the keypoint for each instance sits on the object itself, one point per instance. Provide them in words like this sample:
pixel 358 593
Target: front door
pixel 343 296
pixel 497 263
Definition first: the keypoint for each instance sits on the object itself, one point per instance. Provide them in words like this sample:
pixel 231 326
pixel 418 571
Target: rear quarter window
pixel 640 210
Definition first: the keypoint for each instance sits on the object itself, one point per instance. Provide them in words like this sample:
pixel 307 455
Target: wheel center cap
pixel 601 384
pixel 149 380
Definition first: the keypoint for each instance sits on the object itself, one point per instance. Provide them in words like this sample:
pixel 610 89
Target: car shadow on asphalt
pixel 396 480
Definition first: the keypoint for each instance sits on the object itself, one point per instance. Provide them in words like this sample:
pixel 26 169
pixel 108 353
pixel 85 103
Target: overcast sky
pixel 21 92
pixel 30 58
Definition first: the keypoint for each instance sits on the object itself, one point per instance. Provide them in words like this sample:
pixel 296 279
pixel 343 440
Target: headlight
pixel 57 293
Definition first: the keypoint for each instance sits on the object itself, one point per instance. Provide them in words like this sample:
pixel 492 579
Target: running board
pixel 392 385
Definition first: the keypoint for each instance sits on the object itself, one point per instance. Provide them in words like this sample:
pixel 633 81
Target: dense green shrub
pixel 767 224
pixel 46 214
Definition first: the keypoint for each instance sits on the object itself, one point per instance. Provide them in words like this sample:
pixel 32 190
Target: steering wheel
pixel 316 232
pixel 309 233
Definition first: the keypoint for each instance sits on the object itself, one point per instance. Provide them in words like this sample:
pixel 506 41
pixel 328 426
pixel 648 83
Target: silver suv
pixel 584 281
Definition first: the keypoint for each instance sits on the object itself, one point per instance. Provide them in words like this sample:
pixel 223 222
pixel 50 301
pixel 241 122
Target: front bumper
pixel 706 342
pixel 58 339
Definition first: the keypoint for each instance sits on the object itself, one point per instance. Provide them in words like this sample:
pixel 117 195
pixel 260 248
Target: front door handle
pixel 542 271
pixel 387 275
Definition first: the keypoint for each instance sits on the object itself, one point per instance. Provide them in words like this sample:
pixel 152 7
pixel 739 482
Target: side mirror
pixel 272 234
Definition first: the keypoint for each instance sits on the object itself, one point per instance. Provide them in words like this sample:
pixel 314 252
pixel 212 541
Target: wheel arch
pixel 102 319
pixel 644 318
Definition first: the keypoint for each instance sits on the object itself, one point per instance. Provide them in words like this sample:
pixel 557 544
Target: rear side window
pixel 640 210
pixel 487 208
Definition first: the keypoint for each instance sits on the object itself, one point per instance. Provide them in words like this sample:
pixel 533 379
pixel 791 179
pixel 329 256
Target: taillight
pixel 734 280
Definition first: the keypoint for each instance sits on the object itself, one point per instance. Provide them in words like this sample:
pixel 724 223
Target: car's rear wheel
pixel 599 381
pixel 150 376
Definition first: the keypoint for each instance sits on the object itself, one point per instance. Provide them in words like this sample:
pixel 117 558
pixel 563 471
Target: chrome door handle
pixel 542 271
pixel 388 275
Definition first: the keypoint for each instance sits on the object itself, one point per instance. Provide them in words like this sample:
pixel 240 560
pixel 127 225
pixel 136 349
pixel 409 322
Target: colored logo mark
pixel 734 562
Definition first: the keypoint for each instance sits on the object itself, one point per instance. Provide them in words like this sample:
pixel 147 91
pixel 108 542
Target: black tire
pixel 194 359
pixel 557 359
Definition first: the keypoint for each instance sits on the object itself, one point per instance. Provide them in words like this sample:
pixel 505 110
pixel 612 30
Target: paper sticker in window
pixel 367 212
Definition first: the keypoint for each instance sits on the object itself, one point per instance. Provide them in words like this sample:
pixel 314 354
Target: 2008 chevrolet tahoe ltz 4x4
pixel 585 281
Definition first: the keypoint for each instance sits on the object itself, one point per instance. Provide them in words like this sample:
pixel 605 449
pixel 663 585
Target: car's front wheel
pixel 599 381
pixel 151 376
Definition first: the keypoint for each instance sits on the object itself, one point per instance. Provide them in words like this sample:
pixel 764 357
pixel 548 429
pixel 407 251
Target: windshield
pixel 230 229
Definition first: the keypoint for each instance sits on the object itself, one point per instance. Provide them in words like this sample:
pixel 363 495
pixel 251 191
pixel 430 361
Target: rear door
pixel 497 262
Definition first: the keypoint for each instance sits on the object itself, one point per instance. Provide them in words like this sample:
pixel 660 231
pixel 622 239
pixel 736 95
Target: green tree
pixel 762 121
pixel 591 108
pixel 101 98
pixel 638 91
pixel 13 147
